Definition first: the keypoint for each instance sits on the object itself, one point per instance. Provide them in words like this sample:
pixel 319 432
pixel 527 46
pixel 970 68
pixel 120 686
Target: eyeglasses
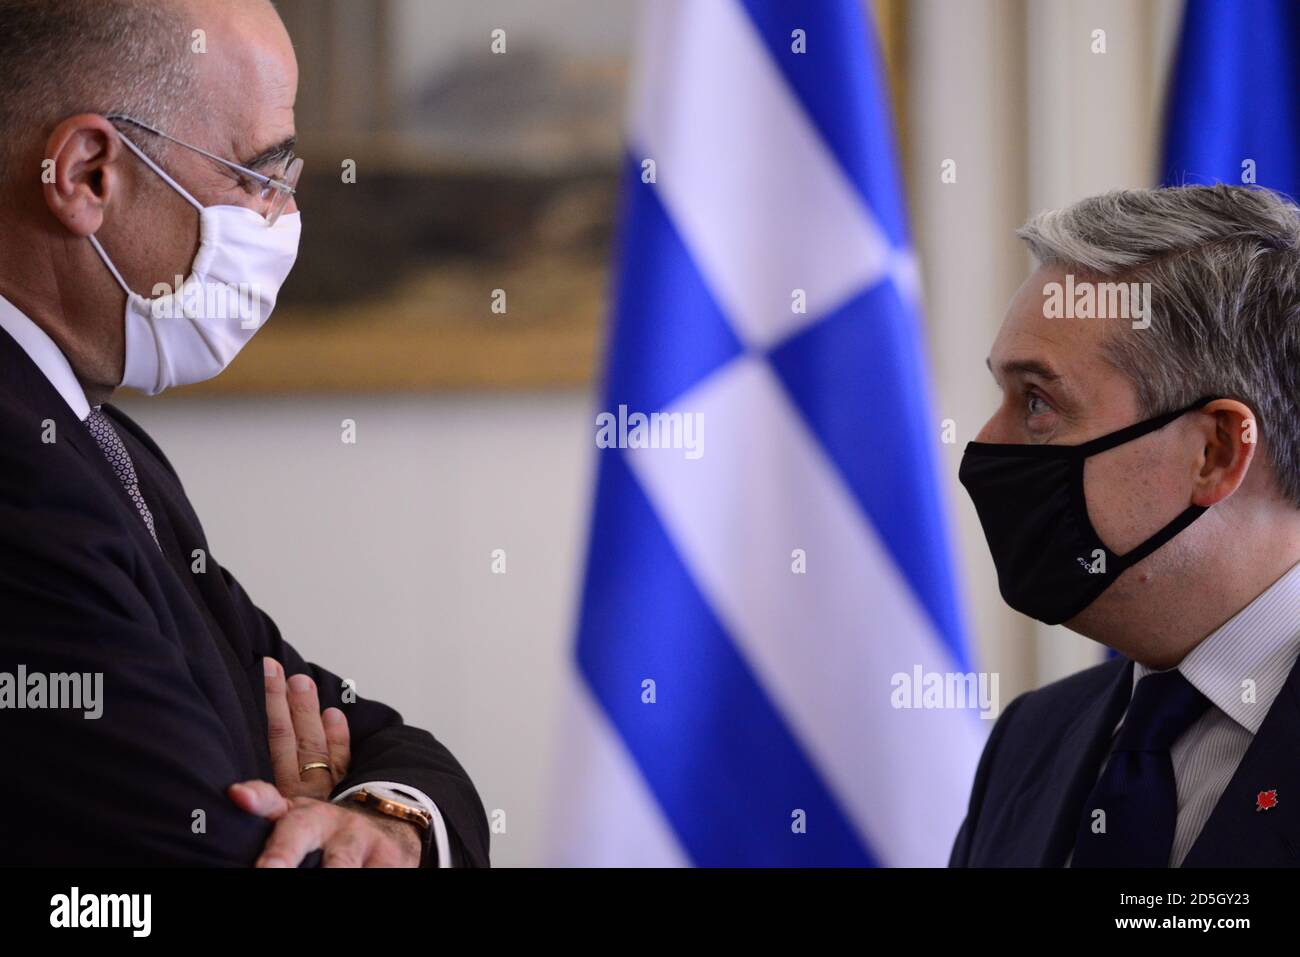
pixel 277 190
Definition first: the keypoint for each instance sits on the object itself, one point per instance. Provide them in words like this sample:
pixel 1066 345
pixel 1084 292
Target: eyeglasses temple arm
pixel 261 177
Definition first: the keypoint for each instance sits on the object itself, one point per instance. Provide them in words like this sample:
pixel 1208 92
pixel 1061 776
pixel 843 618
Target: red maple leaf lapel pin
pixel 1265 800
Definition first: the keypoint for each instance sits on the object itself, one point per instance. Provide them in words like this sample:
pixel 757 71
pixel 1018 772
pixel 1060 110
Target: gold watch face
pixel 393 807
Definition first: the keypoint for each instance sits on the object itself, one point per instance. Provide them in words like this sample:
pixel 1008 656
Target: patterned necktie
pixel 1137 791
pixel 110 443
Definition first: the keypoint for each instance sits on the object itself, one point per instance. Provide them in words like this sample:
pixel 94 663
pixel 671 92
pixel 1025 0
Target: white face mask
pixel 192 333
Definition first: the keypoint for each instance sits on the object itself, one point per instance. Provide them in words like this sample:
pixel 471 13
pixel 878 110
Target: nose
pixel 998 428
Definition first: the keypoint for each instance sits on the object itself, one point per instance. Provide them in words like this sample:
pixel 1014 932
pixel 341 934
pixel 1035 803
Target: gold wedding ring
pixel 313 766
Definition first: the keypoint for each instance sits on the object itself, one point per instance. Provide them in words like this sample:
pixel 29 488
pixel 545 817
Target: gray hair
pixel 62 57
pixel 1224 267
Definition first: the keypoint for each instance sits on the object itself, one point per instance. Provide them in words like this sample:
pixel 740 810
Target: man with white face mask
pixel 127 160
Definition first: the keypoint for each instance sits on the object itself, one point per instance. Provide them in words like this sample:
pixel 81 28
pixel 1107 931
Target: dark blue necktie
pixel 1137 792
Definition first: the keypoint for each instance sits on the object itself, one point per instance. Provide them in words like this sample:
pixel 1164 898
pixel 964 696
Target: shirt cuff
pixel 442 846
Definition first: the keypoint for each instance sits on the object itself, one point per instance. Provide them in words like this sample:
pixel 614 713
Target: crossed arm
pixel 299 736
pixel 149 782
pixel 381 748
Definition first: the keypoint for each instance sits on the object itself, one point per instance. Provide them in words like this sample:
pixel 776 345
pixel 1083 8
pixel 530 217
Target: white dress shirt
pixel 54 365
pixel 1255 649
pixel 40 348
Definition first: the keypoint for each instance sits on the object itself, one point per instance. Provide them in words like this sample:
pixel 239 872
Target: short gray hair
pixel 1224 267
pixel 61 57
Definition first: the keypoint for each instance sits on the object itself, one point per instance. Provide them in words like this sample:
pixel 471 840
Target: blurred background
pixel 478 170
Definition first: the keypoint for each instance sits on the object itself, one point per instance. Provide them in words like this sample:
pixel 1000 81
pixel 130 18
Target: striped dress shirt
pixel 1240 667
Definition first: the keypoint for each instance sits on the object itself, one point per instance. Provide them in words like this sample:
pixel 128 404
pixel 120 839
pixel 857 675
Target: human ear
pixel 79 174
pixel 1230 434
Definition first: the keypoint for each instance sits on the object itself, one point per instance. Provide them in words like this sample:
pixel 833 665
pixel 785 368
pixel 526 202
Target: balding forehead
pixel 249 74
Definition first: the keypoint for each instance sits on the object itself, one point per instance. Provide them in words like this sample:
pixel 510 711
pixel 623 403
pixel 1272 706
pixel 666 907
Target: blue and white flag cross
pixel 745 610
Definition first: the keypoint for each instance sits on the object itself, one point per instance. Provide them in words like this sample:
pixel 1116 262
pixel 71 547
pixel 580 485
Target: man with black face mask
pixel 1140 483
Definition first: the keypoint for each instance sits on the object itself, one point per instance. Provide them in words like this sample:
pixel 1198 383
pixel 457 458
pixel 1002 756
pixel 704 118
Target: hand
pixel 298 733
pixel 350 837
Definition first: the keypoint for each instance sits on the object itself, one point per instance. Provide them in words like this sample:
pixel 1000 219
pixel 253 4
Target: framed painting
pixel 459 195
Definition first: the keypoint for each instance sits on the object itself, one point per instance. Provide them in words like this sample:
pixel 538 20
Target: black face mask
pixel 1051 564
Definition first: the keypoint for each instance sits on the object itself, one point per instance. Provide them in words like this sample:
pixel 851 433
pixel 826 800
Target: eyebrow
pixel 1063 393
pixel 278 151
pixel 1029 366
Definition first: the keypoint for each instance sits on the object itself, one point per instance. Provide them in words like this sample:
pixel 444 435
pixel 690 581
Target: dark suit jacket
pixel 1044 755
pixel 83 588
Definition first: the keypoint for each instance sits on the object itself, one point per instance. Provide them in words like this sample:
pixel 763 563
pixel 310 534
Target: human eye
pixel 1037 408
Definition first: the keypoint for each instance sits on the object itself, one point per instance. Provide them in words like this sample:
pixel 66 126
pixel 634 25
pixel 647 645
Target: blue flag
pixel 1234 100
pixel 770 646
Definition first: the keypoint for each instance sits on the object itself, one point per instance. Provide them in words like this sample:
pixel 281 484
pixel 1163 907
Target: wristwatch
pixel 394 803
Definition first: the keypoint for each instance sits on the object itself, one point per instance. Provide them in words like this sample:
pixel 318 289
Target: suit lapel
pixel 1047 815
pixel 46 404
pixel 1237 834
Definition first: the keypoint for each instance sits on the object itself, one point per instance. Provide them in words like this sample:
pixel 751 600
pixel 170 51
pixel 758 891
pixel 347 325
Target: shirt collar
pixel 40 348
pixel 1259 644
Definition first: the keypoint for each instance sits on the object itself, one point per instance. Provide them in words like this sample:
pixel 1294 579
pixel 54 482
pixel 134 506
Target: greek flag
pixel 761 606
pixel 1233 112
